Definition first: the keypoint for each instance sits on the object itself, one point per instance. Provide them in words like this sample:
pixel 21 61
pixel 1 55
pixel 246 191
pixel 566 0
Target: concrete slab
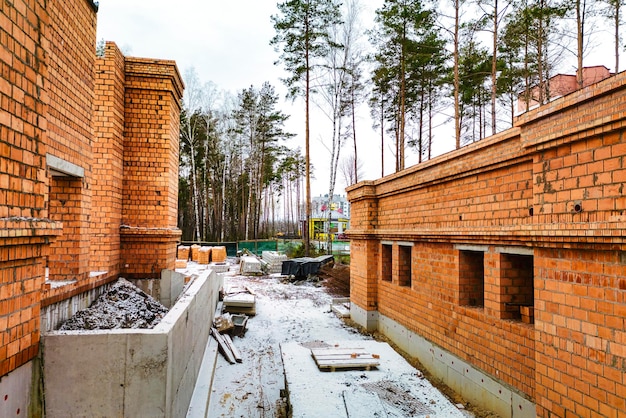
pixel 402 389
pixel 250 265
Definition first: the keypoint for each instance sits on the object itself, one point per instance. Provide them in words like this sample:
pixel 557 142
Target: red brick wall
pixel 71 58
pixel 24 228
pixel 545 204
pixel 581 353
pixel 150 186
pixel 53 104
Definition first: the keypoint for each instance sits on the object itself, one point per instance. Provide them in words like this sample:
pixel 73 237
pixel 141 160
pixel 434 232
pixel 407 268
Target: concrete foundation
pixel 15 391
pixel 471 383
pixel 367 319
pixel 128 372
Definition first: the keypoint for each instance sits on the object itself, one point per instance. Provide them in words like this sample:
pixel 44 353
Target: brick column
pixel 108 161
pixel 365 255
pixel 149 230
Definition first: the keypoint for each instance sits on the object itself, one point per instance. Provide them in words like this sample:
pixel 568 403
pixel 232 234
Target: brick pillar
pixel 108 161
pixel 149 230
pixel 365 255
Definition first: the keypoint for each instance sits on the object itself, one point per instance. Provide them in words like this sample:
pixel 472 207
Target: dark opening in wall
pixel 404 265
pixel 386 262
pixel 517 287
pixel 472 278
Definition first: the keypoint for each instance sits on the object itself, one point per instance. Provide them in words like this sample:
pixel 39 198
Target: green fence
pixel 282 245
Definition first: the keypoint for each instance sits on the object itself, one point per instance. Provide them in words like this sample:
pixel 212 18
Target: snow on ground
pixel 296 317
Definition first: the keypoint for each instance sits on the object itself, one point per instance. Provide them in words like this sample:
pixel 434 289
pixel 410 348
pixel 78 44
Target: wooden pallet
pixel 334 358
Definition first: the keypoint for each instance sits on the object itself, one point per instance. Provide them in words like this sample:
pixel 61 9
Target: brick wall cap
pixel 158 68
pixel 369 188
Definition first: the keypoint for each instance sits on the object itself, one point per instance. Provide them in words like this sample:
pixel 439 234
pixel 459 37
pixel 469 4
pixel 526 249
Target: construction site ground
pixel 292 317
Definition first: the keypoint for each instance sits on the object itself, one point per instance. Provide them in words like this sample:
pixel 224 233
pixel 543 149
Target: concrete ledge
pixel 128 372
pixel 199 404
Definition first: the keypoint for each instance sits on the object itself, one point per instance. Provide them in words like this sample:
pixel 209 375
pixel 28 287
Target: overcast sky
pixel 227 42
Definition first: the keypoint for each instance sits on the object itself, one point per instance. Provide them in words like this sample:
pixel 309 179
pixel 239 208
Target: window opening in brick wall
pixel 404 265
pixel 517 287
pixel 472 278
pixel 386 262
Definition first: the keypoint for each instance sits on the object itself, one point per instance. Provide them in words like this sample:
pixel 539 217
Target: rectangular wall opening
pixel 404 265
pixel 517 287
pixel 386 262
pixel 472 278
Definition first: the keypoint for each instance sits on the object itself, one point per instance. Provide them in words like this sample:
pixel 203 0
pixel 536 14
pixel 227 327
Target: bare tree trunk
pixel 494 68
pixel 356 174
pixel 457 83
pixel 307 164
pixel 382 136
pixel 617 22
pixel 580 31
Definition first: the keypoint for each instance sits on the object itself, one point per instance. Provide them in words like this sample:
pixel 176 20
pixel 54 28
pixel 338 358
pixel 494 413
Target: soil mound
pixel 123 306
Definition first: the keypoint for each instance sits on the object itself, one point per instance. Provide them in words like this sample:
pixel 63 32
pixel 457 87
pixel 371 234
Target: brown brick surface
pixel 114 117
pixel 544 202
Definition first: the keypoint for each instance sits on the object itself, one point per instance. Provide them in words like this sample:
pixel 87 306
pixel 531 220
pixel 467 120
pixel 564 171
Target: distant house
pixel 561 85
pixel 339 210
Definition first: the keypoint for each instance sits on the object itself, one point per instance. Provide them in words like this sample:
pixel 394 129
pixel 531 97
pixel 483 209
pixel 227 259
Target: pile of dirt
pixel 123 306
pixel 336 279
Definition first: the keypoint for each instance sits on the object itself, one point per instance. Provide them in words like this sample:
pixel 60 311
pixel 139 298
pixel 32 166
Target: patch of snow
pixel 289 314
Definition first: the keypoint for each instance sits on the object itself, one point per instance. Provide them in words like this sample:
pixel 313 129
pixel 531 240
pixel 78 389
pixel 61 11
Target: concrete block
pixel 15 391
pixel 131 373
pixel 146 374
pixel 84 373
pixel 250 265
pixel 522 407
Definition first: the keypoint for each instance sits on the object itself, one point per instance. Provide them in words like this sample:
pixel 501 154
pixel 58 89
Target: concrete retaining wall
pixel 470 382
pixel 131 373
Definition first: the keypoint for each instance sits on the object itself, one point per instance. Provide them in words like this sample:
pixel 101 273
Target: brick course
pixel 544 204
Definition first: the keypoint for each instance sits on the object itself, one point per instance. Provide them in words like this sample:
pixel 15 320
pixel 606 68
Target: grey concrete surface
pixel 132 373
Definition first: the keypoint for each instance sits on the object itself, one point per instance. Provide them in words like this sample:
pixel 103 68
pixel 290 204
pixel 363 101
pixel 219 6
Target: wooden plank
pixel 233 349
pixel 324 351
pixel 223 346
pixel 334 358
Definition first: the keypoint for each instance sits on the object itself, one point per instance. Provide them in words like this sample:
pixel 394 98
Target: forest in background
pixel 418 65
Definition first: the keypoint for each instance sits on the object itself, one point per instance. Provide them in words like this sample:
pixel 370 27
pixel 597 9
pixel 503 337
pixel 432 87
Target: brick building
pixel 502 265
pixel 88 176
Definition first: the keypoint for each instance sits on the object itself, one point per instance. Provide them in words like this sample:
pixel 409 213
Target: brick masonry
pixel 88 165
pixel 518 252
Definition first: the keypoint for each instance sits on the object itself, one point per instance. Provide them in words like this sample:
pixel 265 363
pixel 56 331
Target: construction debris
pixel 344 358
pixel 341 307
pixel 274 261
pixel 226 346
pixel 250 265
pixel 239 300
pixel 304 266
pixel 223 323
pixel 123 305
